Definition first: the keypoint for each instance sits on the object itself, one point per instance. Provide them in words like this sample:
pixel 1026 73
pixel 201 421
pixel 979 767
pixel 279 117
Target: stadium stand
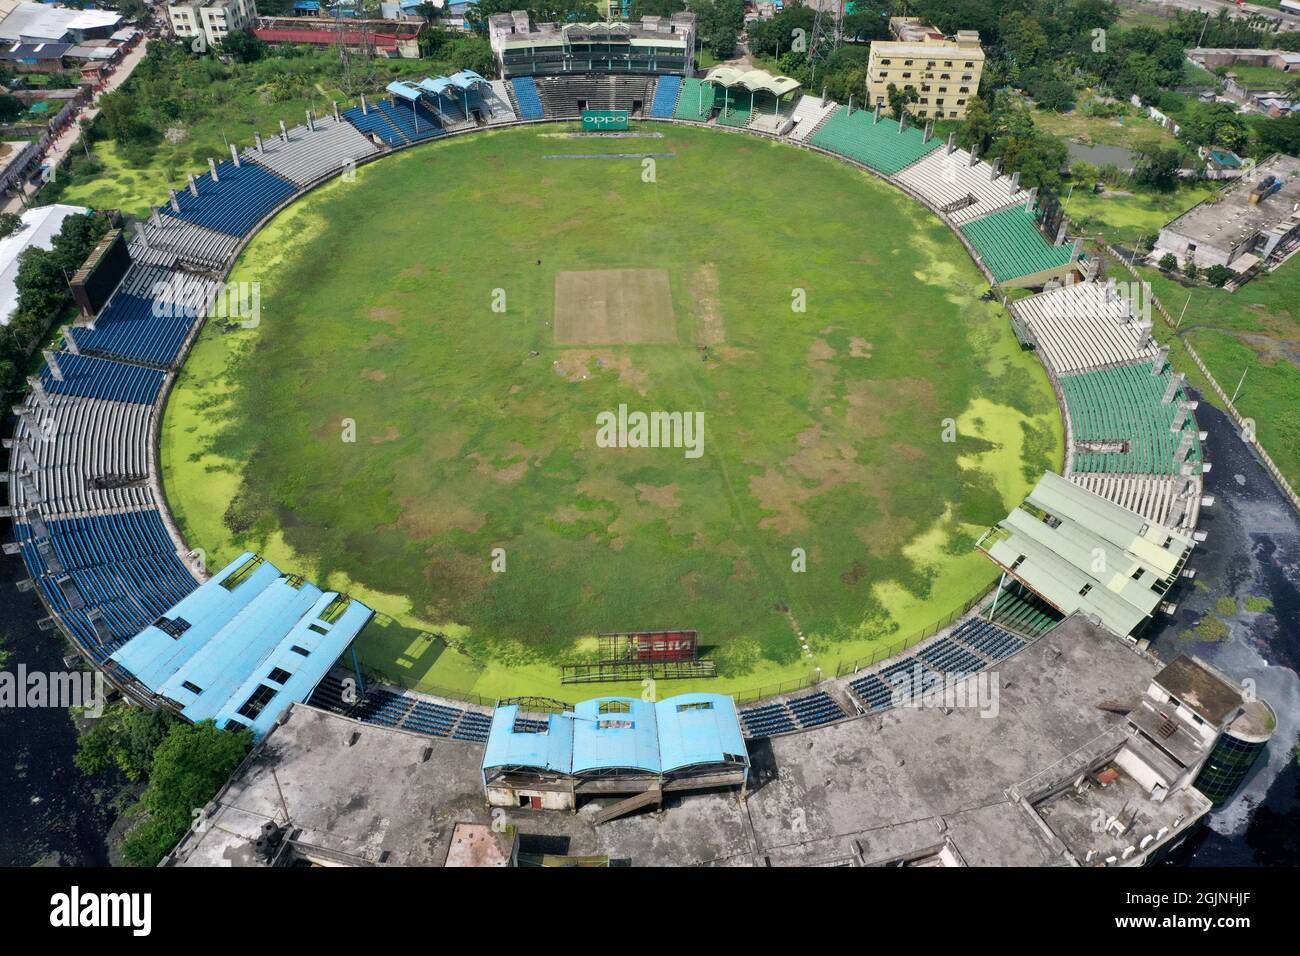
pixel 988 639
pixel 1013 248
pixel 415 122
pixel 528 102
pixel 310 154
pixel 882 145
pixel 665 99
pixel 498 103
pixel 167 241
pixel 148 317
pixel 122 567
pixel 959 190
pixel 734 112
pixel 1016 608
pixel 809 114
pixel 570 94
pixel 1173 501
pixel 786 716
pixel 100 378
pixel 1084 325
pixel 1124 406
pixel 241 647
pixel 374 122
pixel 95 461
pixel 240 198
pixel 948 656
pixel 406 710
pixel 695 101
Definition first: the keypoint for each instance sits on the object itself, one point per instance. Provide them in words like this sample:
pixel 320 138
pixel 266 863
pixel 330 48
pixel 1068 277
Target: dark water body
pixel 48 811
pixel 1253 549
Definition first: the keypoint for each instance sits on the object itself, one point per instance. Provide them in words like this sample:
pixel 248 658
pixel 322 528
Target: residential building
pixel 943 71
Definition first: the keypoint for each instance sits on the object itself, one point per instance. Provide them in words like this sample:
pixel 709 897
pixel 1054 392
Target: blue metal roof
pixel 552 750
pixel 405 90
pixel 606 738
pixel 697 729
pixel 609 733
pixel 236 637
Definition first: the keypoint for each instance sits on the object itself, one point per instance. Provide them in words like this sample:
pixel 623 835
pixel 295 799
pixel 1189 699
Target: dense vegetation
pixel 181 765
pixel 44 297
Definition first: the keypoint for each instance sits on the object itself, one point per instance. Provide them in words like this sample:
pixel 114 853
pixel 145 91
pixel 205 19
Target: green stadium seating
pixel 696 100
pixel 1011 245
pixel 1124 404
pixel 879 145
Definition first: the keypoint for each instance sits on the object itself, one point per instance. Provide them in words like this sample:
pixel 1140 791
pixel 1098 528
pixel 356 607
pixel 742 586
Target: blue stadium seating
pixel 374 122
pixel 665 98
pixel 242 196
pixel 123 564
pixel 950 658
pixel 783 717
pixel 530 101
pixel 989 639
pixel 416 125
pixel 100 378
pixel 392 709
pixel 129 329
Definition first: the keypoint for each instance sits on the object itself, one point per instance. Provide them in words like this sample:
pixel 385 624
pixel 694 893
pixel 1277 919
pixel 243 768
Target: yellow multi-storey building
pixel 944 71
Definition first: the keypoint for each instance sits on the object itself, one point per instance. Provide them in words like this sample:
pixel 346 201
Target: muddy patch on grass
pixel 386 314
pixel 661 497
pixel 374 374
pixel 389 434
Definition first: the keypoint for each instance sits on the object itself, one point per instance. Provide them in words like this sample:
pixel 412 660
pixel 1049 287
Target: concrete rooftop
pixel 868 790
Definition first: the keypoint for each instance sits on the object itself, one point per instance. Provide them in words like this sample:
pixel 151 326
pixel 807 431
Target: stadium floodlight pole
pixel 1184 312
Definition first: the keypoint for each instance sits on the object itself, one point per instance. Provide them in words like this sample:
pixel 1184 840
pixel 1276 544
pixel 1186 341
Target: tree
pixel 1158 166
pixel 11 107
pixel 719 23
pixel 188 768
pixel 9 223
pixel 1190 270
pixel 1168 262
pixel 898 99
pixel 654 8
pixel 243 47
pixel 125 737
pixel 1218 275
pixel 980 126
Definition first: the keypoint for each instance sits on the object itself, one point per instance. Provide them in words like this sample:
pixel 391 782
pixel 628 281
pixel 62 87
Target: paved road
pixel 70 137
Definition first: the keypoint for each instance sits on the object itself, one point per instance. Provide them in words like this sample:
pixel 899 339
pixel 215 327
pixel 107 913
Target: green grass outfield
pixel 475 431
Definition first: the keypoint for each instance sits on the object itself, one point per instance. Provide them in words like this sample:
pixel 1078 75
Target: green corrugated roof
pixel 1011 245
pixel 1095 556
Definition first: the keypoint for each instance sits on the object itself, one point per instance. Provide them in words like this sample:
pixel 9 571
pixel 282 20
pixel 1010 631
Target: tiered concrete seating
pixel 947 179
pixel 1083 326
pixel 311 154
pixel 665 99
pixel 374 122
pixel 696 100
pixel 497 100
pixel 169 240
pixel 84 443
pixel 101 378
pixel 1172 501
pixel 149 316
pixel 810 112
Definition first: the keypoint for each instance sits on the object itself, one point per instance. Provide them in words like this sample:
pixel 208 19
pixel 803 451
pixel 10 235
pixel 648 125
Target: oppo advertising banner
pixel 599 121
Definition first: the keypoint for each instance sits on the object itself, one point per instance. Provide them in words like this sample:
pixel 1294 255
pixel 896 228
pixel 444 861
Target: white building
pixel 39 228
pixel 213 20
